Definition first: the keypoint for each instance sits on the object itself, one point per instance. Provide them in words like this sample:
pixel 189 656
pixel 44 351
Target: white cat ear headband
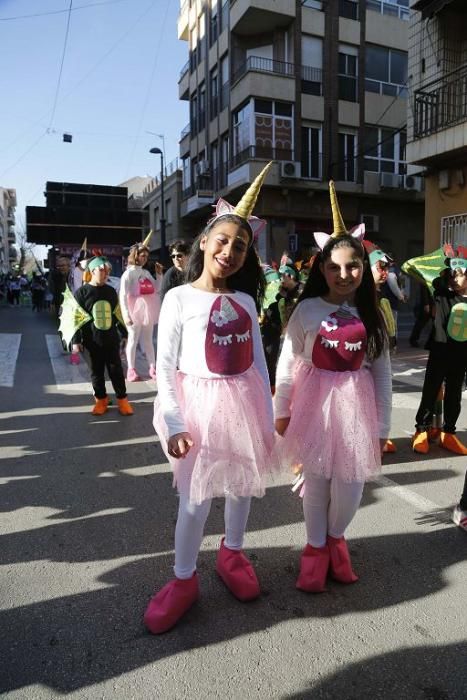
pixel 339 229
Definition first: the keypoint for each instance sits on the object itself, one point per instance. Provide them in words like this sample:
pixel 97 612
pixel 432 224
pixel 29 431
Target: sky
pixel 119 79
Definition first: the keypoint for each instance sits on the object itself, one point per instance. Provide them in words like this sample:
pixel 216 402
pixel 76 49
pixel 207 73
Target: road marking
pixel 9 349
pixel 405 494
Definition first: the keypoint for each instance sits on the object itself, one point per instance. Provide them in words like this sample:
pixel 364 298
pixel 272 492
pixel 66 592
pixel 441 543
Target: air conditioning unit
pixel 290 169
pixel 202 168
pixel 412 182
pixel 389 181
pixel 371 222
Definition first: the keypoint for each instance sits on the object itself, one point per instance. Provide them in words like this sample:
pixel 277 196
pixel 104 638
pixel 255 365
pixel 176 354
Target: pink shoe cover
pixel 132 375
pixel 152 371
pixel 170 604
pixel 237 573
pixel 314 566
pixel 340 566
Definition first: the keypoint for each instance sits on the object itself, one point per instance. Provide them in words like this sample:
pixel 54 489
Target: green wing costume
pixel 426 268
pixel 72 317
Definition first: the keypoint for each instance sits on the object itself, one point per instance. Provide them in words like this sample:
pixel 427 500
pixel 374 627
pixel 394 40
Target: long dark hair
pixel 365 296
pixel 250 277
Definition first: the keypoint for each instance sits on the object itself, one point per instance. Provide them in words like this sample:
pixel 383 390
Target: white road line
pixel 405 494
pixel 67 376
pixel 9 349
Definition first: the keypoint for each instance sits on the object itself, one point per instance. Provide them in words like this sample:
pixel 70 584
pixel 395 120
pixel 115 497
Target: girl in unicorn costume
pixel 333 397
pixel 140 304
pixel 213 413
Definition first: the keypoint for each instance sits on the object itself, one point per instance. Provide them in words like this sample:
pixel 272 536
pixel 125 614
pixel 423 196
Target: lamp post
pixel 164 261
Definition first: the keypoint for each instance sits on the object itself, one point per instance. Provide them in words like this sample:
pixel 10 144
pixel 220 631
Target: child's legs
pixel 455 373
pixel 146 342
pixel 315 509
pixel 434 376
pixel 188 535
pixel 236 516
pixel 115 370
pixel 132 343
pixel 97 358
pixel 345 500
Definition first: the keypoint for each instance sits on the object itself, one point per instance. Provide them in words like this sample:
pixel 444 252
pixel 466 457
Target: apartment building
pixel 7 228
pixel 320 87
pixel 437 122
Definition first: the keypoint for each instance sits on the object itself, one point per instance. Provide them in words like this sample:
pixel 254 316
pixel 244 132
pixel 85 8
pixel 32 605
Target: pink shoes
pixel 152 372
pixel 132 375
pixel 314 566
pixel 237 573
pixel 167 607
pixel 340 564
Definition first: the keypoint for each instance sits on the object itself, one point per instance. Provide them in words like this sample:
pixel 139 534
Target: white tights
pixel 142 334
pixel 329 507
pixel 190 527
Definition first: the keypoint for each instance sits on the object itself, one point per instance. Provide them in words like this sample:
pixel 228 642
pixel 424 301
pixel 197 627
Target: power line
pixel 61 65
pixel 59 12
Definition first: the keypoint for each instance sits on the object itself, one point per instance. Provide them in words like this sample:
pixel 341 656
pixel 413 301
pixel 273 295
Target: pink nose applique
pixel 340 345
pixel 229 345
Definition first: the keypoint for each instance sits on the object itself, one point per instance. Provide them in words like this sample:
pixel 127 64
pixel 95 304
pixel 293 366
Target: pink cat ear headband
pixel 246 205
pixel 339 229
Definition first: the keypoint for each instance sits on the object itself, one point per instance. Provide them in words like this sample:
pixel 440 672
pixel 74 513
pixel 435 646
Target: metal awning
pixel 430 7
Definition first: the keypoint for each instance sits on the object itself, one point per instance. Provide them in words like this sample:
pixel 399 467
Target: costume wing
pixel 272 289
pixel 118 315
pixel 72 317
pixel 426 268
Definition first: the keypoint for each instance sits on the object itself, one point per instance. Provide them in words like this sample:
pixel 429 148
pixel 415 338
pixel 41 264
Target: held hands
pixel 179 445
pixel 76 347
pixel 281 425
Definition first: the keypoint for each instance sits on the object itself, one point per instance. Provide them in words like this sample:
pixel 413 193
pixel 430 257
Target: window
pixel 348 8
pixel 194 114
pixel 157 222
pixel 193 49
pixel 314 4
pixel 224 166
pixel 384 150
pixel 186 173
pixel 168 211
pixel 268 133
pixel 312 64
pixel 202 37
pixel 202 106
pixel 241 128
pixel 214 93
pixel 392 8
pixel 347 154
pixel 385 71
pixel 224 77
pixel 347 73
pixel 311 152
pixel 214 163
pixel 213 23
pixel 224 18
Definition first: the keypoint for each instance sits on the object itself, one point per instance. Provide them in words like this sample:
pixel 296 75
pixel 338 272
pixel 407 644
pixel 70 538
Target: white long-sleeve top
pixel 302 331
pixel 205 334
pixel 129 287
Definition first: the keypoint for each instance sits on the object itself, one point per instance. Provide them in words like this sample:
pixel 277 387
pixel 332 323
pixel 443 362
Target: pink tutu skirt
pixel 145 309
pixel 231 425
pixel 333 429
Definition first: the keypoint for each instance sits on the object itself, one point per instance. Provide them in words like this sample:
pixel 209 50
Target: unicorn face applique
pixel 340 345
pixel 229 345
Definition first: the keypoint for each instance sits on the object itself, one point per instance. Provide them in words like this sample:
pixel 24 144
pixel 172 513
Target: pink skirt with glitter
pixel 145 309
pixel 333 429
pixel 230 421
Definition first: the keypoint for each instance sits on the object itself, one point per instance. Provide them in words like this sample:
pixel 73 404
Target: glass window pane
pixel 263 106
pixel 283 109
pixel 387 166
pixel 371 165
pixel 372 86
pixel 398 67
pixel 387 144
pixel 377 63
pixel 402 144
pixel 392 90
pixel 371 141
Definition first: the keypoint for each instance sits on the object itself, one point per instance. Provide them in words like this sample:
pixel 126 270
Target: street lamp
pixel 158 151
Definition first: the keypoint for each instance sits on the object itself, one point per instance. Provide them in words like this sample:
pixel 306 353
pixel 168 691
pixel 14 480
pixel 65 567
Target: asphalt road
pixel 87 513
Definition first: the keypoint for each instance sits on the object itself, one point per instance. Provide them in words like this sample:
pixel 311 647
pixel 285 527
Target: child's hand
pixel 76 347
pixel 281 425
pixel 179 445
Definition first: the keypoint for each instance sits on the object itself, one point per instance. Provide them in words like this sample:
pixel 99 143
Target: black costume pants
pixel 102 358
pixel 443 365
pixel 421 321
pixel 463 501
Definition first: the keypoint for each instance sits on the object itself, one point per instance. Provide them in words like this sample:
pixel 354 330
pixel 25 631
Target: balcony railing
pixel 185 132
pixel 441 106
pixel 262 152
pixel 312 81
pixel 454 229
pixel 184 71
pixel 264 65
pixel 389 9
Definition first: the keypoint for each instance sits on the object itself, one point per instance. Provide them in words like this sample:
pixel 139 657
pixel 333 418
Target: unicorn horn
pixel 338 222
pixel 84 247
pixel 145 243
pixel 246 205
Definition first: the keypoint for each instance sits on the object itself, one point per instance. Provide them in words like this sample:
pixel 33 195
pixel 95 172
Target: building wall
pixel 445 201
pixel 7 228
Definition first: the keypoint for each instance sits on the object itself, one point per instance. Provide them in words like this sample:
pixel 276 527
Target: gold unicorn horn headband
pixel 338 222
pixel 145 243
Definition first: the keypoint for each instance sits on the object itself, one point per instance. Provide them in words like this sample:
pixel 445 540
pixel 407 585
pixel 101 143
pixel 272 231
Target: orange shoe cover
pixel 125 407
pixel 170 604
pixel 452 443
pixel 237 573
pixel 389 446
pixel 314 567
pixel 101 407
pixel 420 442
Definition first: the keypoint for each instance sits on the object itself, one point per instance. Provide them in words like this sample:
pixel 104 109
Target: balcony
pixel 261 153
pixel 441 104
pixel 247 15
pixel 263 65
pixel 184 82
pixel 11 216
pixel 388 9
pixel 312 81
pixel 183 21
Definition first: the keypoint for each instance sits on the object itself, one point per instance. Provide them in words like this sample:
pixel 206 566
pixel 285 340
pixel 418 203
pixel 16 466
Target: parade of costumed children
pixel 213 413
pixel 91 320
pixel 445 273
pixel 333 397
pixel 140 304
